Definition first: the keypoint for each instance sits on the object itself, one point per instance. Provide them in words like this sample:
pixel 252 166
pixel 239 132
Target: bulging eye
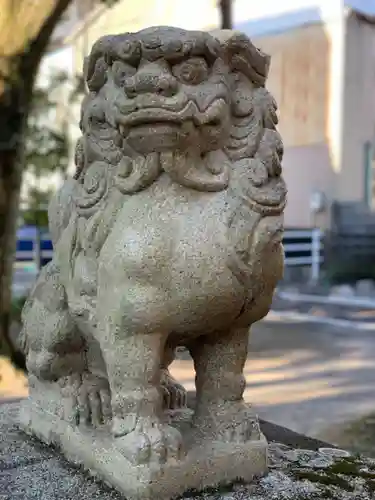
pixel 121 71
pixel 192 71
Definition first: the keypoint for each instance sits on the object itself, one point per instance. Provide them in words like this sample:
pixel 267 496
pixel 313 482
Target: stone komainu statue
pixel 170 234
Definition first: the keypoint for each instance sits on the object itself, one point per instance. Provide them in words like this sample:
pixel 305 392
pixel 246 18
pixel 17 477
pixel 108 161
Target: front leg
pixel 133 368
pixel 133 361
pixel 221 413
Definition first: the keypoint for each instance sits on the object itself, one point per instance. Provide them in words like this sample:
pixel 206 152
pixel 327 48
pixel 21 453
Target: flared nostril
pixel 165 92
pixel 167 86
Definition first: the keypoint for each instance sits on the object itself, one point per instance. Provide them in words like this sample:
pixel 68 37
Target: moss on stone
pixel 323 478
pixel 340 474
pixel 221 488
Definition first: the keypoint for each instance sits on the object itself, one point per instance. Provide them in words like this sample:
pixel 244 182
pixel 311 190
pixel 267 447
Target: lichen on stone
pixel 295 474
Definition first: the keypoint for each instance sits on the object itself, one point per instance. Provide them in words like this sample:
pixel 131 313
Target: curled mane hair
pixel 254 146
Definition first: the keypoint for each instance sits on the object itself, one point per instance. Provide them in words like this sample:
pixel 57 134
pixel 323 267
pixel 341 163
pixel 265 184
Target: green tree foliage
pixel 47 143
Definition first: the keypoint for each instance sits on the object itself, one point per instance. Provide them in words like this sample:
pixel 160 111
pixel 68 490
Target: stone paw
pixel 151 442
pixel 229 422
pixel 174 394
pixel 87 399
pixel 241 432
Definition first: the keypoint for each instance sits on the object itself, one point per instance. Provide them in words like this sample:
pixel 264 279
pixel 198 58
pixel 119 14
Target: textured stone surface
pixel 169 235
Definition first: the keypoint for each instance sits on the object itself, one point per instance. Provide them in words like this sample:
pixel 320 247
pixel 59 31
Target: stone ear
pixel 242 55
pixel 96 64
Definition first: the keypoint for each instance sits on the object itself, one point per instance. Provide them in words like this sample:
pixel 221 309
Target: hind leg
pixel 56 351
pixel 50 340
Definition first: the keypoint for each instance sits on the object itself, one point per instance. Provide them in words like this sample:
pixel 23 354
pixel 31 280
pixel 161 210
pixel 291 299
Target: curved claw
pixel 86 400
pixel 175 395
pixel 166 397
pixel 122 426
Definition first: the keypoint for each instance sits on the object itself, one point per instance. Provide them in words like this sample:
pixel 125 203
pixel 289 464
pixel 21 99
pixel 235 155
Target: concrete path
pixel 305 376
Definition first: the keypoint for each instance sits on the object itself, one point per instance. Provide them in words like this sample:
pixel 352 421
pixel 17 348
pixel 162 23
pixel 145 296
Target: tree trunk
pixel 24 36
pixel 10 182
pixel 226 14
pixel 14 105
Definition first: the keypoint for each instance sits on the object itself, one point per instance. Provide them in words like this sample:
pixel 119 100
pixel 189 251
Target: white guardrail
pixel 303 247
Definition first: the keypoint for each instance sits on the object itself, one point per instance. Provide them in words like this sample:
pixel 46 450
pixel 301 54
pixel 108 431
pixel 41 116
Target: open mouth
pixel 147 116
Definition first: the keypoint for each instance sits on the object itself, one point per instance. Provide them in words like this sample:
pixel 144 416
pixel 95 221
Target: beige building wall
pixel 307 169
pixel 299 81
pixel 136 15
pixel 323 77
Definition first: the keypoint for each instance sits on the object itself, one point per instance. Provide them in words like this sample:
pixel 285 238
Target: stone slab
pixel 206 464
pixel 277 433
pixel 31 470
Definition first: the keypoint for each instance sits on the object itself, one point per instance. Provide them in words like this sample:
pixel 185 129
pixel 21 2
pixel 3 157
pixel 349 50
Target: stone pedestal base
pixel 205 464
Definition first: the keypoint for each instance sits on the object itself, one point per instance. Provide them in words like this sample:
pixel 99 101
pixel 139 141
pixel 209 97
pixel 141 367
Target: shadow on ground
pixel 304 376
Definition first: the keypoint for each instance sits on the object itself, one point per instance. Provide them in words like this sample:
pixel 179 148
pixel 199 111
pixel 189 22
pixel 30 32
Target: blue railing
pixel 34 246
